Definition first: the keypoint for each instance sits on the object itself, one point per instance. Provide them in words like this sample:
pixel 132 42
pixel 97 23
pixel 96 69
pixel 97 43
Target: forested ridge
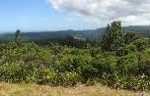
pixel 118 59
pixel 91 34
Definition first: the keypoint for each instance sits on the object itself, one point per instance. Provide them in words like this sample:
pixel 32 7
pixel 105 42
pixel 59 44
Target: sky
pixel 49 15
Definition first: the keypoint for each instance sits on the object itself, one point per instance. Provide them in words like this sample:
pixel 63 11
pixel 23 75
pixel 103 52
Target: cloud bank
pixel 131 12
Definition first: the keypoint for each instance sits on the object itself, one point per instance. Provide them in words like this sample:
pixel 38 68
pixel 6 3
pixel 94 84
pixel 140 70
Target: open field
pixel 40 90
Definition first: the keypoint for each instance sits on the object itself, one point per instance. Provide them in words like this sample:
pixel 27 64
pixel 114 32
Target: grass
pixel 41 90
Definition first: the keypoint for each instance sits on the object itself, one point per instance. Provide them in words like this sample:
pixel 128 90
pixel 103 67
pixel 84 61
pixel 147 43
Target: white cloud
pixel 129 11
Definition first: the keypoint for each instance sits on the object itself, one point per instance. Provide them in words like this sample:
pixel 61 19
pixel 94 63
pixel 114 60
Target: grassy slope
pixel 39 90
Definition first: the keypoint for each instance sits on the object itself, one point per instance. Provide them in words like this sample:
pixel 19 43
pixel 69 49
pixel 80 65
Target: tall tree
pixel 17 36
pixel 113 37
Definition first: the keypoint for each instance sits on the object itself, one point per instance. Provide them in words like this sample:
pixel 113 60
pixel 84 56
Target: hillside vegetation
pixel 118 59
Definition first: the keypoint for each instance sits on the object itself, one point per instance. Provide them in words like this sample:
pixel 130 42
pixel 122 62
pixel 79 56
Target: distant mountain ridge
pixel 90 34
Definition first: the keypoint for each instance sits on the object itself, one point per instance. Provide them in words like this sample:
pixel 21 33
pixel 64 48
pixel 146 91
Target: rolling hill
pixel 90 34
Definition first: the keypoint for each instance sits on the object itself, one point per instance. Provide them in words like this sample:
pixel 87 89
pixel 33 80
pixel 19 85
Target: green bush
pixel 68 66
pixel 13 73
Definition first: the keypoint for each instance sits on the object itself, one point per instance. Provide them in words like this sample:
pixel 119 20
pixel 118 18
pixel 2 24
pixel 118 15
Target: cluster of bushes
pixel 54 64
pixel 124 66
pixel 68 66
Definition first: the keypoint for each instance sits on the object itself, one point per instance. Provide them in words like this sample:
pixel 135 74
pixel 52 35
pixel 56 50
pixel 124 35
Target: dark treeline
pixel 119 59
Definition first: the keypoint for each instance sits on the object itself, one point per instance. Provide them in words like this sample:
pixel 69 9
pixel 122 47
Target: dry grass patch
pixel 40 90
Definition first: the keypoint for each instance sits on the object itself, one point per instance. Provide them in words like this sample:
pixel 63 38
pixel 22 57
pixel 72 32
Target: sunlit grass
pixel 41 90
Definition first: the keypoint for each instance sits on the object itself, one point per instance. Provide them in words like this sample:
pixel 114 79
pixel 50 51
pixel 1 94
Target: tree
pixel 113 37
pixel 141 44
pixel 130 37
pixel 17 36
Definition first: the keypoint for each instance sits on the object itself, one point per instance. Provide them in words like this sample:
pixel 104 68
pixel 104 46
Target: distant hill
pixel 90 34
pixel 145 30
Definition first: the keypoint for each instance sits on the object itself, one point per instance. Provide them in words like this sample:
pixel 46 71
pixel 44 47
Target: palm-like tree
pixel 17 36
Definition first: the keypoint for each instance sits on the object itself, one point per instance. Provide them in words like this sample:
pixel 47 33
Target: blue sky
pixel 45 15
pixel 37 15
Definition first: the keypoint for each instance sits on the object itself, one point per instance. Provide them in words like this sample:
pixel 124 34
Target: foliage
pixel 121 61
pixel 113 38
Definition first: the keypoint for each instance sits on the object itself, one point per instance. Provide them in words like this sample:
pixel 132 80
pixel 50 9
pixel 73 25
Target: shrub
pixel 12 73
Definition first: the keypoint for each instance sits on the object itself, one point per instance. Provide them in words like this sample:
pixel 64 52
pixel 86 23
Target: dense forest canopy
pixel 117 58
